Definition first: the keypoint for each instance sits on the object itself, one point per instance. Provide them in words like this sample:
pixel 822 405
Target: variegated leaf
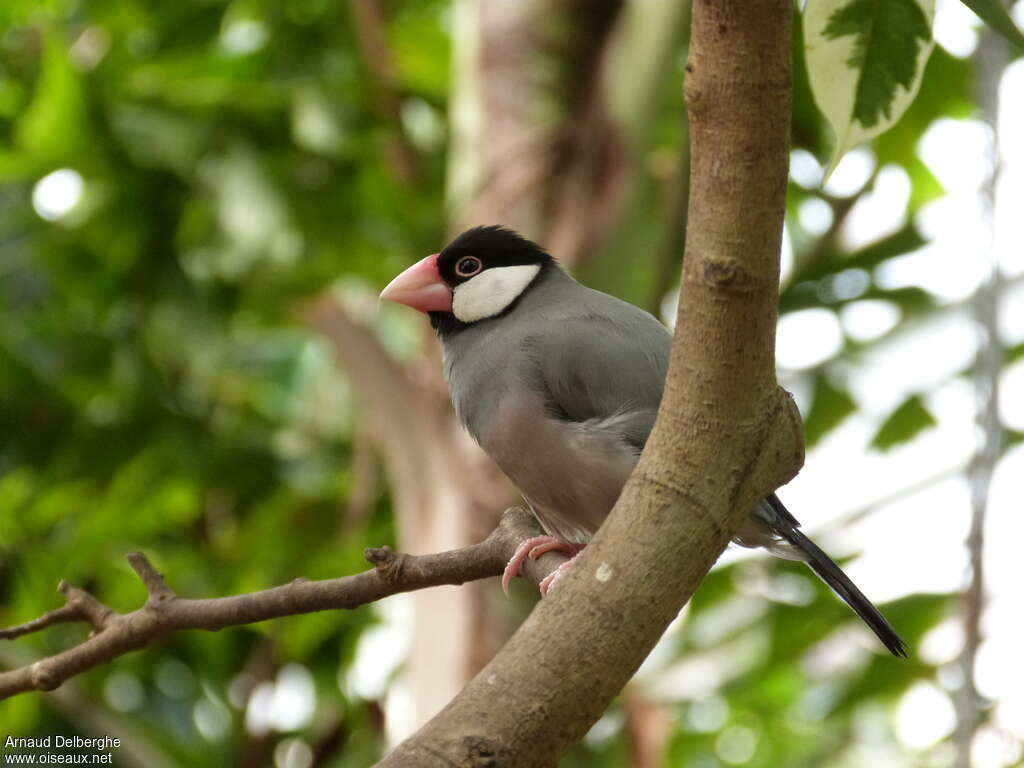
pixel 865 59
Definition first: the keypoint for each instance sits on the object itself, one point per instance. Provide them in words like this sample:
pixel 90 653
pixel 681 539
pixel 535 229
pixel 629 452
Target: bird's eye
pixel 468 266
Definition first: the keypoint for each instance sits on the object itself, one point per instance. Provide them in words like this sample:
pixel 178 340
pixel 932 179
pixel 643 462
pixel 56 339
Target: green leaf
pixel 865 59
pixel 829 408
pixel 903 424
pixel 996 15
pixel 12 96
pixel 55 125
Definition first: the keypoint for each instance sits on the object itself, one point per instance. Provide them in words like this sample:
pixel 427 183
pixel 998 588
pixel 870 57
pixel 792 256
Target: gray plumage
pixel 561 392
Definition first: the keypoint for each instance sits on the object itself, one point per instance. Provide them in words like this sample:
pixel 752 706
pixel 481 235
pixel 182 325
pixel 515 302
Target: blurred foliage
pixel 157 393
pixel 156 390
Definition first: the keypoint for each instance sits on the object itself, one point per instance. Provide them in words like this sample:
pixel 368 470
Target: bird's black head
pixel 488 269
pixel 482 248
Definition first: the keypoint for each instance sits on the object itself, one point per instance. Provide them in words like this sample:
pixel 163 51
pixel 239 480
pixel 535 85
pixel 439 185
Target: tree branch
pixel 115 634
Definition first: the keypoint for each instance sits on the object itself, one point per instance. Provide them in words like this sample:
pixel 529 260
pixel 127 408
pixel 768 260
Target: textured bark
pixel 725 436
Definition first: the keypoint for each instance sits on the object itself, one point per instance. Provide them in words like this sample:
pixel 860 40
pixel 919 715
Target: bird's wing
pixel 605 368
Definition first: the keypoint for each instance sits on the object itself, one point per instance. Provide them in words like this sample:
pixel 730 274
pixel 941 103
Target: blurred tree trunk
pixel 533 147
pixel 991 58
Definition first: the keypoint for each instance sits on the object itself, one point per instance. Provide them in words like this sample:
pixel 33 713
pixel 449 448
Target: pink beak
pixel 421 287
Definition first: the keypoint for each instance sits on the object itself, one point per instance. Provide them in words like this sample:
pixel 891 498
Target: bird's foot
pixel 534 548
pixel 548 582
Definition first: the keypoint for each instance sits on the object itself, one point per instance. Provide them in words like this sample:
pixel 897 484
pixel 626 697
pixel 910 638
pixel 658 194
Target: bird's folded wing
pixel 604 370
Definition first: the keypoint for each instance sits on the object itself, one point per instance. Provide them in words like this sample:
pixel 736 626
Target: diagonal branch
pixel 115 634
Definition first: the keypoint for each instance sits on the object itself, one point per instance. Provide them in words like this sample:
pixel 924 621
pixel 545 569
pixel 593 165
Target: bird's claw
pixel 548 582
pixel 534 548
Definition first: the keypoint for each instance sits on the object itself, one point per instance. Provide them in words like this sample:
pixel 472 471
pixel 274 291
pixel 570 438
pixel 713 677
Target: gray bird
pixel 560 385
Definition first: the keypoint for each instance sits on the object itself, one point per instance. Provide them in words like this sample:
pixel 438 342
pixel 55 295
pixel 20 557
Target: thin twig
pixel 153 581
pixel 60 615
pixel 116 634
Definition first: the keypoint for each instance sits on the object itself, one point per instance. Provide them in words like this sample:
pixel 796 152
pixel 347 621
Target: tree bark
pixel 726 435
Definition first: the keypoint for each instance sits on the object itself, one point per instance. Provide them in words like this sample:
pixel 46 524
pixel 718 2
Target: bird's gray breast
pixel 569 459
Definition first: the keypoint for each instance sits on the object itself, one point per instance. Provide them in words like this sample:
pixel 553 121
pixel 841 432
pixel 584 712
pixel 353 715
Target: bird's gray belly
pixel 571 473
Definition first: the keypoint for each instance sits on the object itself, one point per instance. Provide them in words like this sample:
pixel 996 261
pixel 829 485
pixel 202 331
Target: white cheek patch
pixel 490 292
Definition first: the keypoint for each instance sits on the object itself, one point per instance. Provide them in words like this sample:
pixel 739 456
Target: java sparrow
pixel 560 385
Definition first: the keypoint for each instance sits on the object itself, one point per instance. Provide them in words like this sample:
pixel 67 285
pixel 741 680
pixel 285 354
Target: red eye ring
pixel 468 266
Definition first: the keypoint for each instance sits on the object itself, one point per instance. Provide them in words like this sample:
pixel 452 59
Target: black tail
pixel 787 527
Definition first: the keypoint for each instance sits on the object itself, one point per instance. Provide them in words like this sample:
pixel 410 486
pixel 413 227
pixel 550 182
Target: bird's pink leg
pixel 534 548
